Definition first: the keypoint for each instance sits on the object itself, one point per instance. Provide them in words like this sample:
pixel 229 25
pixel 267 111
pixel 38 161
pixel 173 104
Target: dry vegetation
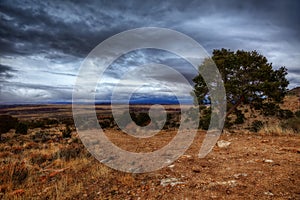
pixel 49 162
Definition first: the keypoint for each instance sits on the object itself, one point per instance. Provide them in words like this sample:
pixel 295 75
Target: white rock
pixel 223 144
pixel 268 161
pixel 269 193
pixel 239 175
pixel 231 183
pixel 170 181
pixel 186 156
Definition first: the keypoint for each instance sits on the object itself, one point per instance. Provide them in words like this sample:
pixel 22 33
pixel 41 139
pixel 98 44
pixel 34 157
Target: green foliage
pixel 256 125
pixel 248 79
pixel 22 128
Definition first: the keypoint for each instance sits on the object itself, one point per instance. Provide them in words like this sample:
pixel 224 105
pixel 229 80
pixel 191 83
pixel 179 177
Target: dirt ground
pixel 251 167
pixel 44 165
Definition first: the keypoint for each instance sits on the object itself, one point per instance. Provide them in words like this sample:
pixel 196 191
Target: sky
pixel 44 43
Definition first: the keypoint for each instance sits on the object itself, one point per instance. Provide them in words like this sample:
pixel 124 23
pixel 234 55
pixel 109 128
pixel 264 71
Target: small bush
pixel 256 125
pixel 66 133
pixel 7 122
pixel 106 123
pixel 205 119
pixel 293 124
pixel 22 128
pixel 297 113
pixel 41 136
pixel 285 114
pixel 38 158
pixel 70 152
pixel 36 124
pixel 270 109
pixel 141 119
pixel 239 117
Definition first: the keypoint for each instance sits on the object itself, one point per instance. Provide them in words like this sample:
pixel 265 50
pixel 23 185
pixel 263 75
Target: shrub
pixel 256 125
pixel 293 124
pixel 105 123
pixel 269 109
pixel 22 128
pixel 240 117
pixel 297 113
pixel 141 119
pixel 66 133
pixel 36 124
pixel 285 114
pixel 70 152
pixel 41 137
pixel 38 158
pixel 7 122
pixel 205 119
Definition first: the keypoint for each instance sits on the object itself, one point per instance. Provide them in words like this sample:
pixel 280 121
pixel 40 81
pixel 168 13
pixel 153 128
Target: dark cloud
pixel 59 73
pixel 294 71
pixel 35 27
pixel 6 72
pixel 57 33
pixel 30 93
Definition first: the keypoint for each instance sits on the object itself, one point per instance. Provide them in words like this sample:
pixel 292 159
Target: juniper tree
pixel 248 79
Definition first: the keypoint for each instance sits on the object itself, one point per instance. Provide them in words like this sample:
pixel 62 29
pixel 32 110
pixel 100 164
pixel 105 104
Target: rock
pixel 269 193
pixel 186 156
pixel 196 170
pixel 268 161
pixel 231 183
pixel 170 181
pixel 171 166
pixel 239 175
pixel 223 144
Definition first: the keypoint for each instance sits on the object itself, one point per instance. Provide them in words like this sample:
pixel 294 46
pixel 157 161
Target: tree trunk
pixel 235 106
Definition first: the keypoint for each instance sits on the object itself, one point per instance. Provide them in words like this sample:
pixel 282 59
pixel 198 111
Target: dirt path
pixel 252 167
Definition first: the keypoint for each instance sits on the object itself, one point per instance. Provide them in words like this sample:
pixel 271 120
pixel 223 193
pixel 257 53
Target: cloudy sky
pixel 43 44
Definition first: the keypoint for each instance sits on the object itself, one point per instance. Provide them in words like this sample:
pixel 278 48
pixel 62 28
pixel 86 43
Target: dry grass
pixel 62 169
pixel 275 130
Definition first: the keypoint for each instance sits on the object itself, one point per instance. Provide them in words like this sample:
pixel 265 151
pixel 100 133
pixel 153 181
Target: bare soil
pixel 44 165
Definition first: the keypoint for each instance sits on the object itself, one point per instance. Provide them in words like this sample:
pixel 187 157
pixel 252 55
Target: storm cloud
pixel 43 43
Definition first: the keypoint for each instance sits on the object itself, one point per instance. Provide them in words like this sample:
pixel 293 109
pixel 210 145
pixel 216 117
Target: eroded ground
pixel 251 167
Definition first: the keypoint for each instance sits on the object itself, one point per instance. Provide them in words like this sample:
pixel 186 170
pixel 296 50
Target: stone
pixel 269 193
pixel 223 144
pixel 239 175
pixel 268 161
pixel 170 181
